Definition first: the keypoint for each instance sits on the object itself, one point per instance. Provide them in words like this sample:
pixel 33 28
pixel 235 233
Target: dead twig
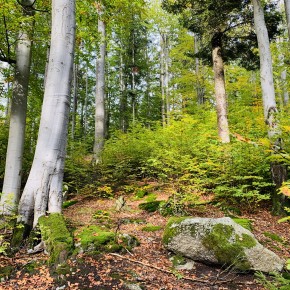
pixel 171 273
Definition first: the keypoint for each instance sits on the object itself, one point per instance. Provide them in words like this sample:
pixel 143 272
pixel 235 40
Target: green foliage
pixel 276 282
pixel 188 155
pixel 150 206
pixel 68 203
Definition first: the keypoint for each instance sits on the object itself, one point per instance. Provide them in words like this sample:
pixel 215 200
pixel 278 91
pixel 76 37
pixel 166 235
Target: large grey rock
pixel 219 241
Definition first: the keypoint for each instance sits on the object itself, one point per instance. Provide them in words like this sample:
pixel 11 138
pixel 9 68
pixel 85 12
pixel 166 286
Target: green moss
pixel 226 251
pixel 246 223
pixel 151 228
pixel 150 206
pixel 68 203
pixel 273 237
pixel 170 230
pixel 57 238
pixel 178 260
pixel 94 238
pixel 6 271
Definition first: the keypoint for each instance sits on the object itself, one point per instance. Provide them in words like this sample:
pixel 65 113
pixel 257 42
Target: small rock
pixel 133 287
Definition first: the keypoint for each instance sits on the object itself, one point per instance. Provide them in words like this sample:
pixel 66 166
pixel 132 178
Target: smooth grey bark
pixel 43 190
pixel 100 117
pixel 279 172
pixel 287 11
pixel 166 78
pixel 74 100
pixel 266 69
pixel 220 89
pixel 13 168
pixel 123 97
pixel 162 82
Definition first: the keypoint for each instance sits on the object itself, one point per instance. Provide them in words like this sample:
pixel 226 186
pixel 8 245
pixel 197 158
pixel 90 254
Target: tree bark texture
pixel 287 11
pixel 220 90
pixel 43 190
pixel 100 122
pixel 13 169
pixel 279 172
pixel 266 70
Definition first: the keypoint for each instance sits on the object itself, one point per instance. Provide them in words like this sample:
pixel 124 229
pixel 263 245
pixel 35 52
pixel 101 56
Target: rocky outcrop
pixel 219 241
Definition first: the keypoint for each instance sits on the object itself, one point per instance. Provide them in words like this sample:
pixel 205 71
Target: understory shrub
pixel 188 153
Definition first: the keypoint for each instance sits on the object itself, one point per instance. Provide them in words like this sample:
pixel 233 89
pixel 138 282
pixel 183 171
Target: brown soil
pixel 147 265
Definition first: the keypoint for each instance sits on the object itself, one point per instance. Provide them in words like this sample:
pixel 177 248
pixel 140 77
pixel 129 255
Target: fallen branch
pixel 171 273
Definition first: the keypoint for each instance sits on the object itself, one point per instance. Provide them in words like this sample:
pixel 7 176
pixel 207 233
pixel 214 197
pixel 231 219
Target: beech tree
pixel 279 173
pixel 287 11
pixel 13 169
pixel 43 190
pixel 100 121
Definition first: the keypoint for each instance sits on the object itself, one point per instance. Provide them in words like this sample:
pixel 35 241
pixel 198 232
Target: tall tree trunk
pixel 279 173
pixel 166 77
pixel 162 83
pixel 13 169
pixel 74 101
pixel 100 122
pixel 220 89
pixel 123 98
pixel 43 190
pixel 287 11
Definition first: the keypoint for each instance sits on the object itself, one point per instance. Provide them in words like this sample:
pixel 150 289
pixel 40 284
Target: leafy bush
pixel 188 154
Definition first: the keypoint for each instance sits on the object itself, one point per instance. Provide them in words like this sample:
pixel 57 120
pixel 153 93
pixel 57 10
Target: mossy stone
pixel 170 230
pixel 68 203
pixel 94 238
pixel 58 240
pixel 151 206
pixel 229 249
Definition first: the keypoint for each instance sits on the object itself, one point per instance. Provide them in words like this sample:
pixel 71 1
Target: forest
pixel 144 144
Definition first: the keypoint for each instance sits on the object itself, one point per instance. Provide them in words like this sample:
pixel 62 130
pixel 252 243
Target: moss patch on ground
pixel 151 228
pixel 151 206
pixel 58 240
pixel 94 238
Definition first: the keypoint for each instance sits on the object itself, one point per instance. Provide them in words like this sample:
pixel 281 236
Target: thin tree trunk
pixel 43 190
pixel 220 89
pixel 13 169
pixel 287 11
pixel 285 93
pixel 123 98
pixel 100 122
pixel 279 173
pixel 166 77
pixel 162 82
pixel 74 101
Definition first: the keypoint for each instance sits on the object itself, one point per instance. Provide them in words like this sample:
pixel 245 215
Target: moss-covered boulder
pixel 97 239
pixel 219 241
pixel 56 237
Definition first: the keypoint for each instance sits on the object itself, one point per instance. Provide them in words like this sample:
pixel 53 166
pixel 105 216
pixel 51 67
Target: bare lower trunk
pixel 13 169
pixel 43 190
pixel 100 122
pixel 220 90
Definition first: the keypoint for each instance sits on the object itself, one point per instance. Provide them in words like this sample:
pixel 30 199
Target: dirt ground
pixel 147 265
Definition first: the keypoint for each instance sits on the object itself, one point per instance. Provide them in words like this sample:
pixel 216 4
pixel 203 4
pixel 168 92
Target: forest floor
pixel 148 265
